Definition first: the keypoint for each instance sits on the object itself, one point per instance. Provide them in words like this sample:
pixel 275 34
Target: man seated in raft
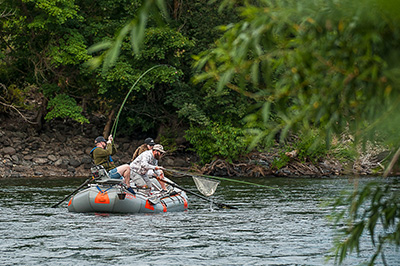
pixel 101 155
pixel 146 166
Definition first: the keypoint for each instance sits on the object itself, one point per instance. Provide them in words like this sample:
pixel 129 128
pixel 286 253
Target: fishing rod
pixel 114 127
pixel 225 179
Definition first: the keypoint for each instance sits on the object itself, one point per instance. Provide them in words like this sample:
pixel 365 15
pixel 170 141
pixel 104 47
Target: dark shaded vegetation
pixel 311 79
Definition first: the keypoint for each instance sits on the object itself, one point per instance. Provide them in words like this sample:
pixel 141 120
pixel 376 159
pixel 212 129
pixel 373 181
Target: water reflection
pixel 269 228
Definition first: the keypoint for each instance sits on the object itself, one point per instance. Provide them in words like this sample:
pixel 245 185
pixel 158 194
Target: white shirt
pixel 144 162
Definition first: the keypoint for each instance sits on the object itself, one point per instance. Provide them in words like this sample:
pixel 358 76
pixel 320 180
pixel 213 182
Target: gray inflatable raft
pixel 110 196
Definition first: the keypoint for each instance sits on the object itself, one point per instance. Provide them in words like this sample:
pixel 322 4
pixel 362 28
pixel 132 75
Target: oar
pixel 219 205
pixel 76 190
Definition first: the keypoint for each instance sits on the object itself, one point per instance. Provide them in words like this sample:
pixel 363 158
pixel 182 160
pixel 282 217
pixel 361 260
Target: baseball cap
pixel 149 141
pixel 100 139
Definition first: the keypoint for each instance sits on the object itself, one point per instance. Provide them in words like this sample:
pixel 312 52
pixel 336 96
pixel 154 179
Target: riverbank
pixel 62 149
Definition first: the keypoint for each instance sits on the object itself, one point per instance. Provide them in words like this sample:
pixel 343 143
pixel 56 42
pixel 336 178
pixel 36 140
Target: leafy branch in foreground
pixel 326 64
pixel 136 27
pixel 374 210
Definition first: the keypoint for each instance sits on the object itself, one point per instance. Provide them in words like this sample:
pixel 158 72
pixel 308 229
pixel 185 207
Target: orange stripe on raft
pixel 164 206
pixel 185 203
pixel 70 201
pixel 149 205
pixel 102 198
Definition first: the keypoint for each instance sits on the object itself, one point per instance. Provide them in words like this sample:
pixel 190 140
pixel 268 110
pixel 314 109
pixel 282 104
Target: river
pixel 268 228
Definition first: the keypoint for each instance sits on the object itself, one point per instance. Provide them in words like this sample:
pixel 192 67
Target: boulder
pixel 52 158
pixel 15 158
pixel 39 160
pixel 8 150
pixel 73 162
pixel 167 162
pixel 86 159
pixel 58 163
pixel 71 169
pixel 45 138
pixel 60 137
pixel 19 168
pixel 15 175
pixel 179 162
pixel 28 157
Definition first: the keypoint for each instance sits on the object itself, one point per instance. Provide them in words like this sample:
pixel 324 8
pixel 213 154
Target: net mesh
pixel 206 186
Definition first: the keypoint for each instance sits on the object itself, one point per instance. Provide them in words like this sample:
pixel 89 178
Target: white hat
pixel 159 148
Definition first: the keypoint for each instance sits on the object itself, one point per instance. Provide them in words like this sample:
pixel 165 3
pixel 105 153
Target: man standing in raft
pixel 101 155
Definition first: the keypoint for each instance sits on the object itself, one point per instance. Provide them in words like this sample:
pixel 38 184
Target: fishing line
pixel 228 179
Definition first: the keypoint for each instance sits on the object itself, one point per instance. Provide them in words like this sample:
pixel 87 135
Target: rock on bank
pixel 62 149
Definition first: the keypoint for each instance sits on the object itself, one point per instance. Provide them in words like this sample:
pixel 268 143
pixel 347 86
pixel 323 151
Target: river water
pixel 268 228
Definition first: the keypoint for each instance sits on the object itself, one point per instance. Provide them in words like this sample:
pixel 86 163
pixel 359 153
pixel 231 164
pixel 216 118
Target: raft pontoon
pixel 110 196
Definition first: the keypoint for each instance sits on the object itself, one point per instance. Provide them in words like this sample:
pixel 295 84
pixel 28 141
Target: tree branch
pixel 13 107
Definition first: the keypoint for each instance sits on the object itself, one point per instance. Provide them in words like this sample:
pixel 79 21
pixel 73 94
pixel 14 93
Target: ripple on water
pixel 286 227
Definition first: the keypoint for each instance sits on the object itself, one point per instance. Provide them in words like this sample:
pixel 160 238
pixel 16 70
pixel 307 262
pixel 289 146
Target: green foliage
pixel 43 47
pixel 201 21
pixel 164 43
pixel 168 140
pixel 217 140
pixel 309 147
pixel 136 28
pixel 344 153
pixel 161 45
pixel 373 209
pixel 51 11
pixel 314 63
pixel 63 106
pixel 70 49
pixel 281 161
pixel 46 42
pixel 193 113
pixel 12 97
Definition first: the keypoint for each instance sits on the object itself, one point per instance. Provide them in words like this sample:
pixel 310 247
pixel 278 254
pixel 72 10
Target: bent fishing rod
pixel 114 127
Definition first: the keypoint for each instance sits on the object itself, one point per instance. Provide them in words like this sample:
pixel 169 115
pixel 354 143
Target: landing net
pixel 206 186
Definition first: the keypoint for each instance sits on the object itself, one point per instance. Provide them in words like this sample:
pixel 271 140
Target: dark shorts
pixel 113 173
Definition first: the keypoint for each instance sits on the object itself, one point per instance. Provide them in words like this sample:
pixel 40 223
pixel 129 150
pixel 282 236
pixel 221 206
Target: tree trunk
pixel 177 5
pixel 107 128
pixel 39 120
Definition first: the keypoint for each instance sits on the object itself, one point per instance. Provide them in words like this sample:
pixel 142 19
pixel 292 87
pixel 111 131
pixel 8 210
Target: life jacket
pixel 109 161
